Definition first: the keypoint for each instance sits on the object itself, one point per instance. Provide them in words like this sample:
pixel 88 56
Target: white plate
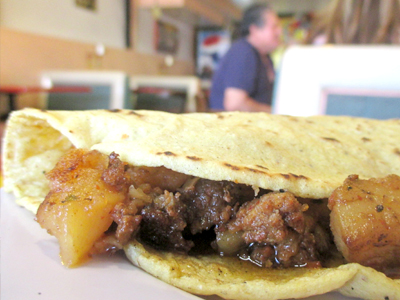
pixel 31 269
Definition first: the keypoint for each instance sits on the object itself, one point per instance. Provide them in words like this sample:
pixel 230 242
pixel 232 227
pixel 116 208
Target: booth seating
pixel 175 94
pixel 109 90
pixel 11 92
pixel 362 81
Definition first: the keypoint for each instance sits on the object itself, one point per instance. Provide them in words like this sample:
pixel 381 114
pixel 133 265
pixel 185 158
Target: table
pixel 13 91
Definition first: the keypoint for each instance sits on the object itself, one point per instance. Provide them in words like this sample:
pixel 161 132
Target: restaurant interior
pixel 161 55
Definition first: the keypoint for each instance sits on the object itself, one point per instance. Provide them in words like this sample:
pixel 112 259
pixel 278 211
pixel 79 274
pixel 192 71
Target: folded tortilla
pixel 308 157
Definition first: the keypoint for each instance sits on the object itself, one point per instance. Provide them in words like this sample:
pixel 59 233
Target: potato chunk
pixel 365 221
pixel 84 188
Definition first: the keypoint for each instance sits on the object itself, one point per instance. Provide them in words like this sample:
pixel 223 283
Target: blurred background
pixel 146 38
pixel 160 54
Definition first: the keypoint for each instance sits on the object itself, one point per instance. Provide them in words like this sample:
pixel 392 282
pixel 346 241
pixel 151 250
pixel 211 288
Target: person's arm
pixel 237 99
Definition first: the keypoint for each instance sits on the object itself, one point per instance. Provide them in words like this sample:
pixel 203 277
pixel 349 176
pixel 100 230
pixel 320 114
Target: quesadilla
pixel 182 182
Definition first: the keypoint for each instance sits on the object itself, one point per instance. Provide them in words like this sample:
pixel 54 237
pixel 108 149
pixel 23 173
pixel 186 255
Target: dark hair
pixel 253 15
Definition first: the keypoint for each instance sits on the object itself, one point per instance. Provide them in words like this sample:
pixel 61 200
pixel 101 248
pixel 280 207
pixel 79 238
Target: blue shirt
pixel 241 68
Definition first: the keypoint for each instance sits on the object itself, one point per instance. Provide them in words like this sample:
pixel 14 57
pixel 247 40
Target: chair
pixel 361 81
pixel 108 90
pixel 166 93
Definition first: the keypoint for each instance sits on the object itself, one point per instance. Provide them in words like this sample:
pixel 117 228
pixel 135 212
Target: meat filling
pixel 276 231
pixel 175 212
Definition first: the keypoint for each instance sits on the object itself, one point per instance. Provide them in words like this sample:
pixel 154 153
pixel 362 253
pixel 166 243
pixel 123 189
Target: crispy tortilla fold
pixel 308 157
pixel 231 278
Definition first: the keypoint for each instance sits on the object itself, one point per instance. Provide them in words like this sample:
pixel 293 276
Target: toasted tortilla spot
pixel 169 153
pixel 397 151
pixel 254 170
pixel 331 139
pixel 115 110
pixel 293 176
pixel 268 144
pixel 194 158
pixel 299 176
pixel 134 113
pixel 235 168
pixel 262 167
pixel 294 119
pixel 365 139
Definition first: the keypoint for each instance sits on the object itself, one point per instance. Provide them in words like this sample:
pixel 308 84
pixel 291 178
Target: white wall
pixel 105 25
pixel 61 18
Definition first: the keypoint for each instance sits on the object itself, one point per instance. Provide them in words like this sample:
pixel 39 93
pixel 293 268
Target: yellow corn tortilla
pixel 308 157
pixel 231 278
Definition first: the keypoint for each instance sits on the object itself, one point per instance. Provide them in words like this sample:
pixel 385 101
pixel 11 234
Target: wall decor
pixel 88 4
pixel 166 37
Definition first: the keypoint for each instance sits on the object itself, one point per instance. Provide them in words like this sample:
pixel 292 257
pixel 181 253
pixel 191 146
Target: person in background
pixel 244 79
pixel 357 22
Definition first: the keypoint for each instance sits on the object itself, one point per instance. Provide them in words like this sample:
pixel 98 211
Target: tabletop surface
pixel 15 89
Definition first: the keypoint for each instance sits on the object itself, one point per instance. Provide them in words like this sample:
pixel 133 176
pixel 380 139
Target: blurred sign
pixel 212 44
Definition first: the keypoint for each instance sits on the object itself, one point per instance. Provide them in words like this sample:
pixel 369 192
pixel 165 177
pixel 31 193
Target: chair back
pixel 108 90
pixel 361 81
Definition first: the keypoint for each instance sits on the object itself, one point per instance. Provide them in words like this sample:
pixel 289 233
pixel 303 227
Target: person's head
pixel 360 22
pixel 261 26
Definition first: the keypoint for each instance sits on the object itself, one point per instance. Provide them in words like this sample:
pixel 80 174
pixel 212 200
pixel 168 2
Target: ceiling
pixel 221 13
pixel 287 6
